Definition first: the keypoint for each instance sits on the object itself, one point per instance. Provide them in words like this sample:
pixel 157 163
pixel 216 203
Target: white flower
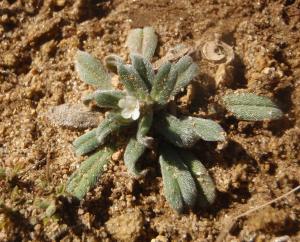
pixel 130 107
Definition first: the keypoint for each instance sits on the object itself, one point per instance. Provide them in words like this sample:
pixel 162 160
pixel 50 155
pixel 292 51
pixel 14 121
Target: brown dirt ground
pixel 38 40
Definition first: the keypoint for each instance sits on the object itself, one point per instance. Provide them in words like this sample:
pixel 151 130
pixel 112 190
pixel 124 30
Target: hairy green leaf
pixel 144 68
pixel 85 177
pixel 143 129
pixel 84 138
pixel 132 153
pixel 96 137
pixel 187 70
pixel 186 132
pixel 176 131
pixel 206 129
pixel 142 41
pixel 112 62
pixel 105 98
pixel 133 82
pixel 171 161
pixel 109 125
pixel 171 187
pixel 91 71
pixel 205 185
pixel 248 106
pixel 163 83
pixel 86 143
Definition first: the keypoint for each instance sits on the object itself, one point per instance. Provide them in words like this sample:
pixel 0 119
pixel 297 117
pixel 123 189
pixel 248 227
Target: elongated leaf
pixel 248 106
pixel 84 138
pixel 206 129
pixel 87 146
pixel 96 137
pixel 187 70
pixel 133 82
pixel 186 132
pixel 144 68
pixel 171 188
pixel 85 177
pixel 173 162
pixel 143 129
pixel 91 71
pixel 112 62
pixel 176 131
pixel 86 143
pixel 163 83
pixel 105 98
pixel 133 152
pixel 205 185
pixel 142 41
pixel 109 125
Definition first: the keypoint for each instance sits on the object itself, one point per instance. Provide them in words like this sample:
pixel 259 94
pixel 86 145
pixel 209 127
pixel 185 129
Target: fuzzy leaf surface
pixel 205 185
pixel 207 129
pixel 112 62
pixel 170 185
pixel 86 143
pixel 144 68
pixel 105 98
pixel 142 41
pixel 179 171
pixel 144 126
pixel 176 131
pixel 133 152
pixel 248 106
pixel 91 71
pixel 187 70
pixel 133 82
pixel 163 84
pixel 186 132
pixel 109 125
pixel 86 176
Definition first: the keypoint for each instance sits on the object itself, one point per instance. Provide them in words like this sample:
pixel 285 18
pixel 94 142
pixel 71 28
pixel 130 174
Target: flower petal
pixel 122 103
pixel 135 114
pixel 126 113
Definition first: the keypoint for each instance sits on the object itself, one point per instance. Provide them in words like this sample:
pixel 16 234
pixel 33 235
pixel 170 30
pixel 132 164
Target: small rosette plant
pixel 144 99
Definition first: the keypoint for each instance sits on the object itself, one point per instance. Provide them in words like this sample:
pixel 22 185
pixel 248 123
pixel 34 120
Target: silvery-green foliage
pixel 96 137
pixel 187 70
pixel 133 152
pixel 163 83
pixel 204 183
pixel 142 41
pixel 186 132
pixel 179 186
pixel 144 99
pixel 248 106
pixel 105 98
pixel 86 176
pixel 133 82
pixel 91 71
pixel 144 126
pixel 112 62
pixel 144 68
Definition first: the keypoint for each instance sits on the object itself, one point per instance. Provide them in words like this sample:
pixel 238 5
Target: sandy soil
pixel 38 40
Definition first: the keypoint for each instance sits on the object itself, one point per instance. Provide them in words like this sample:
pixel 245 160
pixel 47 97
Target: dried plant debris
pixel 144 100
pixel 173 54
pixel 75 116
pixel 218 51
pixel 222 54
